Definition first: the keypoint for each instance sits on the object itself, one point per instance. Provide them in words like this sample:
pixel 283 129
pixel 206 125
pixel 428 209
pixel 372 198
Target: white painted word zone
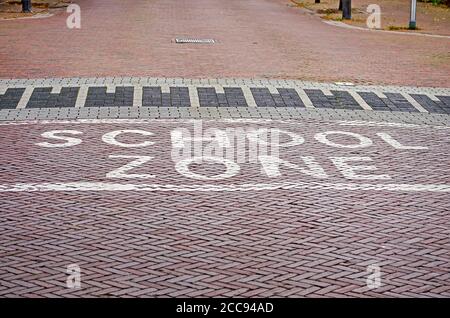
pixel 232 147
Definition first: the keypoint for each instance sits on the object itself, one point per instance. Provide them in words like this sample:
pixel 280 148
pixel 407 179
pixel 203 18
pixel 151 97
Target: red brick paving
pixel 288 243
pixel 257 38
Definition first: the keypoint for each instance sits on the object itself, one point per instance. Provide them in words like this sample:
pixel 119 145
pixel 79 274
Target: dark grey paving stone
pixel 43 98
pixel 11 98
pixel 430 105
pixel 396 102
pixel 339 100
pixel 98 97
pixel 374 101
pixel 153 97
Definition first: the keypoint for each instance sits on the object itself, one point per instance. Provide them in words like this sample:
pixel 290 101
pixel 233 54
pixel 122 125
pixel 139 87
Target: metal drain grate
pixel 195 41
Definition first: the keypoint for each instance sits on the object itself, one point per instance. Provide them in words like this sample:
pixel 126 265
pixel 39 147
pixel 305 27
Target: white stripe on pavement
pixel 304 97
pixel 360 100
pixel 413 102
pixel 25 97
pixel 104 186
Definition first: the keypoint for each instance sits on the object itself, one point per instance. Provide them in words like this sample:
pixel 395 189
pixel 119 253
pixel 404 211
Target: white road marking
pixel 56 89
pixel 380 94
pixel 25 97
pixel 110 89
pixel 110 138
pixel 3 90
pixel 222 120
pixel 413 102
pixel 304 97
pixel 82 95
pixel 360 100
pixel 54 134
pixel 232 168
pixel 350 172
pixel 272 90
pixel 397 145
pixel 102 186
pixel 249 96
pixel 165 89
pixel 193 96
pixel 327 92
pixel 219 89
pixel 364 142
pixel 120 173
pixel 433 97
pixel 137 96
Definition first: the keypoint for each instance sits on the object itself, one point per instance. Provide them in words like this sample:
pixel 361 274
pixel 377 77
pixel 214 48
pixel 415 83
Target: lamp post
pixel 346 9
pixel 412 19
pixel 26 5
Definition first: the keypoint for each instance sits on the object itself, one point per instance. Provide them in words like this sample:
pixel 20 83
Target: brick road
pixel 256 38
pixel 88 176
pixel 250 234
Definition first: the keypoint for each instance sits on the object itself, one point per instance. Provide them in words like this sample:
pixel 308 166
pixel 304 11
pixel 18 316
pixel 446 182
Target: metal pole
pixel 346 9
pixel 412 19
pixel 26 5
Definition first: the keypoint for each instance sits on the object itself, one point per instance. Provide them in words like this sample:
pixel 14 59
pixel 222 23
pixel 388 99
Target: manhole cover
pixel 196 41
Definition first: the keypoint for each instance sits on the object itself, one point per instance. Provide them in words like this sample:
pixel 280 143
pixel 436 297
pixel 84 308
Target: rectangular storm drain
pixel 195 41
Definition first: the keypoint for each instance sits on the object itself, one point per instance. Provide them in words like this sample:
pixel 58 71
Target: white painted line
pixel 137 96
pixel 110 89
pixel 433 97
pixel 249 96
pixel 387 124
pixel 25 97
pixel 380 94
pixel 219 89
pixel 304 97
pixel 81 98
pixel 360 100
pixel 272 90
pixel 327 92
pixel 344 83
pixel 56 89
pixel 165 89
pixel 413 102
pixel 193 95
pixel 102 186
pixel 3 90
pixel 221 120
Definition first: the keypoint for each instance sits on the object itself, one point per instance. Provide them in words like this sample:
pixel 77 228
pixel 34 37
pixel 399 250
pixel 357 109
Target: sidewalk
pixel 256 38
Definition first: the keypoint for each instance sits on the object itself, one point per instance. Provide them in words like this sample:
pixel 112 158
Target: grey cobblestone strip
pixel 292 113
pixel 165 92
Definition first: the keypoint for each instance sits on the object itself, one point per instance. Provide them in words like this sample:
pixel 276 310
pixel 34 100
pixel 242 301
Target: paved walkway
pixel 256 38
